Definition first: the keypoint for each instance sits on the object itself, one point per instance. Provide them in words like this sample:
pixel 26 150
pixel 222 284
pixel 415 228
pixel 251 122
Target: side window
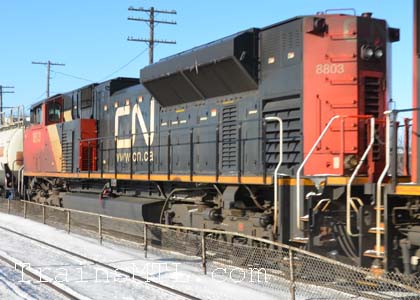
pixel 54 112
pixel 36 115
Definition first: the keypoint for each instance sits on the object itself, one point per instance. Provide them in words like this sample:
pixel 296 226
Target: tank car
pixel 11 149
pixel 276 132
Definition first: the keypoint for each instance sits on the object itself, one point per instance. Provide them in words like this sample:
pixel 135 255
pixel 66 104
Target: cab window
pixel 36 115
pixel 54 112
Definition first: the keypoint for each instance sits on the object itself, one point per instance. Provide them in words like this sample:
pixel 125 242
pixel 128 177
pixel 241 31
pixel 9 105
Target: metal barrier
pixel 278 269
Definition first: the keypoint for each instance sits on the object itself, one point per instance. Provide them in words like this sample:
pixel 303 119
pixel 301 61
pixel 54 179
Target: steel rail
pixel 324 259
pixel 104 265
pixel 66 292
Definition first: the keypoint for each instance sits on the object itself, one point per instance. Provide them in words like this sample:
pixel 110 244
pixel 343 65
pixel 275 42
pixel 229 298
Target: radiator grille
pixel 229 138
pixel 372 98
pixel 67 152
pixel 372 88
pixel 290 112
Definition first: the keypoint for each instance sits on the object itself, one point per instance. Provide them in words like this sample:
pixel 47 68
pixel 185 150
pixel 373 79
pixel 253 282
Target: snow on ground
pixel 97 283
pixel 171 269
pixel 12 289
pixel 83 277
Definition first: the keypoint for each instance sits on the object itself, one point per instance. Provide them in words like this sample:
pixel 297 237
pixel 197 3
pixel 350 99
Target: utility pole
pixel 48 64
pixel 4 90
pixel 151 21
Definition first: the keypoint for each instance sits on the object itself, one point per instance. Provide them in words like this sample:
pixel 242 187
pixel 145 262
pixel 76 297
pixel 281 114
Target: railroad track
pixel 68 292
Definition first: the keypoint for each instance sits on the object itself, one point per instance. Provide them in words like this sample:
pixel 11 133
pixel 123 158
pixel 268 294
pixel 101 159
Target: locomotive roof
pixel 83 87
pixel 44 100
pixel 241 32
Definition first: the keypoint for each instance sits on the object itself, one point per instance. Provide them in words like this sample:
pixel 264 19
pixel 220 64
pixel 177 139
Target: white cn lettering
pixel 139 116
pixel 120 112
pixel 123 143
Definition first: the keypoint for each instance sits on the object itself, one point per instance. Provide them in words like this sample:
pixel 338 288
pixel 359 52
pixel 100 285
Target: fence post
pixel 43 214
pixel 203 252
pixel 100 229
pixel 292 276
pixel 145 240
pixel 68 221
pixel 24 210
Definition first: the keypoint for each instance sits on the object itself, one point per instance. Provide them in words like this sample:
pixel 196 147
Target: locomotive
pixel 281 132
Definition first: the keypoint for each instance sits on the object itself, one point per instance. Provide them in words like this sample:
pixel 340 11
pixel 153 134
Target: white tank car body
pixel 11 150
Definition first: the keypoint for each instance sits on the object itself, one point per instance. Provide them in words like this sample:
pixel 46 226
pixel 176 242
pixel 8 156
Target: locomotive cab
pixel 56 123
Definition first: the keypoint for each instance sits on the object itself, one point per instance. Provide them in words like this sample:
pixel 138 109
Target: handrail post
pixel 203 253
pixel 43 214
pixel 239 143
pixel 276 171
pixel 115 157
pixel 100 228
pixel 8 206
pixel 24 210
pixel 407 146
pixel 298 201
pixel 145 240
pixel 169 155
pixel 394 160
pixel 292 276
pixel 191 153
pixel 89 159
pixel 263 150
pixel 380 180
pixel 132 136
pixel 353 176
pixel 148 154
pixel 68 221
pixel 22 185
pixel 217 152
pixel 101 150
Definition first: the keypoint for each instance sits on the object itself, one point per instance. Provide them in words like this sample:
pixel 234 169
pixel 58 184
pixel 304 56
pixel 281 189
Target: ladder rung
pixel 381 229
pixel 304 218
pixel 374 254
pixel 300 240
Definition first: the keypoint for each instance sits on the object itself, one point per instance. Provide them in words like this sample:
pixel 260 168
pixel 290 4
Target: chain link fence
pixel 281 270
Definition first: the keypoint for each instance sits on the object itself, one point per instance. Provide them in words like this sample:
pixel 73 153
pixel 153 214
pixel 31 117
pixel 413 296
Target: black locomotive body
pixel 257 133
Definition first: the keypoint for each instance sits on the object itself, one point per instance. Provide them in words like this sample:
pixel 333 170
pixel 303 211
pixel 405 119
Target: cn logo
pixel 136 117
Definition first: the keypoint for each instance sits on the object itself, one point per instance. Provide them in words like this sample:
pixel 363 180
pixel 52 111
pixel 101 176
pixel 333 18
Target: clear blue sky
pixel 90 37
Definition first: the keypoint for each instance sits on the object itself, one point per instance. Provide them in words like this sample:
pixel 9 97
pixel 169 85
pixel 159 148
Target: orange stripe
pixel 344 180
pixel 412 190
pixel 182 178
pixel 123 176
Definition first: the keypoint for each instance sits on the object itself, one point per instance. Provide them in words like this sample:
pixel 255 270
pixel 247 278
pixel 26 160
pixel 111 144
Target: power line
pixel 48 64
pixel 151 22
pixel 72 76
pixel 40 96
pixel 125 65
